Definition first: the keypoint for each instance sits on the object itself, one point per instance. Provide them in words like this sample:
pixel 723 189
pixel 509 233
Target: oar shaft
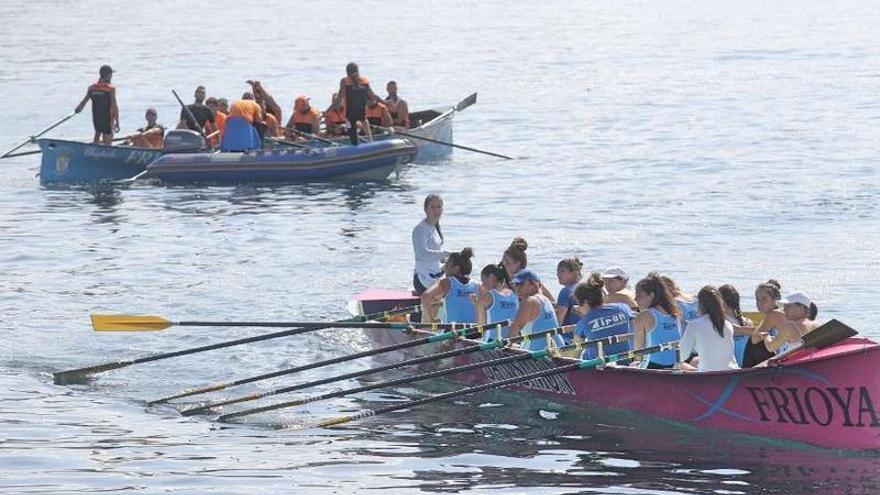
pixel 35 136
pixel 430 140
pixel 190 115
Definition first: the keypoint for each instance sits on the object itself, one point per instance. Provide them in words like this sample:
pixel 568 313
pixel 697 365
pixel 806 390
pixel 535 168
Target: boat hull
pixel 74 162
pixel 815 398
pixel 369 161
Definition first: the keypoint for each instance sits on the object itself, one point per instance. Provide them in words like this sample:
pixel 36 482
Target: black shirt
pixel 201 112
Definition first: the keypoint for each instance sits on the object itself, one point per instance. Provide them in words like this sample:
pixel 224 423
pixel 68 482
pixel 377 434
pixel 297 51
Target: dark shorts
pixel 102 124
pixel 417 285
pixel 654 366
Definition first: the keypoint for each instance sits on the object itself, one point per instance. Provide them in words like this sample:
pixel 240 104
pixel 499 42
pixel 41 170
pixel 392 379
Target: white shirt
pixel 715 351
pixel 428 250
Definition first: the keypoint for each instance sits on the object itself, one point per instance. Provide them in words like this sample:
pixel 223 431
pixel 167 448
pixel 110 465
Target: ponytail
pixel 730 296
pixel 712 305
pixel 813 311
pixel 591 291
pixel 661 295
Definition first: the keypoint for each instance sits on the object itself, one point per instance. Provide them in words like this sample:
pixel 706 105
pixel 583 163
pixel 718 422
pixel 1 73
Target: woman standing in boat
pixel 427 241
pixel 658 321
pixel 709 335
pixel 494 301
pixel 535 312
pixel 454 291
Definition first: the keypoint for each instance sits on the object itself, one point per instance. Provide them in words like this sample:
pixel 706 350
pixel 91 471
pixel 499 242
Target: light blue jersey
pixel 503 307
pixel 457 305
pixel 690 310
pixel 605 321
pixel 546 320
pixel 666 329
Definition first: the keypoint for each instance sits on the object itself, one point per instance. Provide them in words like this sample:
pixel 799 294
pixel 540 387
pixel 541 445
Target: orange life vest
pixel 247 109
pixel 377 114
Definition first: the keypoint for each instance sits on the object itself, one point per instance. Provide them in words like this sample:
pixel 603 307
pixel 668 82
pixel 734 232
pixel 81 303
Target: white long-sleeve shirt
pixel 428 250
pixel 715 351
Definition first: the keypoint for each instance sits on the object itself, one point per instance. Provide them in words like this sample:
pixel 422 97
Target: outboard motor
pixel 183 141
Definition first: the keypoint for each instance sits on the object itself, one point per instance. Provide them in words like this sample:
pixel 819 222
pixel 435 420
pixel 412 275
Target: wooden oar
pixel 488 346
pixel 464 332
pixel 77 375
pixel 580 365
pixel 141 323
pixel 35 136
pixel 25 153
pixel 519 356
pixel 430 140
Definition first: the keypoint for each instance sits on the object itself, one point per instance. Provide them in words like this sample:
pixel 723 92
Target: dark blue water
pixel 716 142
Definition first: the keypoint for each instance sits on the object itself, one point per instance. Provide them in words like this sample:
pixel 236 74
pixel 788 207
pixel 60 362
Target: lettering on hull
pixel 851 407
pixel 557 384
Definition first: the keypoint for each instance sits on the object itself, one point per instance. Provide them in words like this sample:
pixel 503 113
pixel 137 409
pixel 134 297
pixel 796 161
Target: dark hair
pixel 462 260
pixel 592 291
pixel 712 305
pixel 813 311
pixel 662 295
pixel 673 287
pixel 211 101
pixel 517 251
pixel 772 287
pixel 428 199
pixel 572 264
pixel 351 68
pixel 200 87
pixel 496 270
pixel 730 296
pixel 105 71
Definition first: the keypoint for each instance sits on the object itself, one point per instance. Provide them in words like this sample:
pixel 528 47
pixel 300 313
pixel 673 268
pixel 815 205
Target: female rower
pixel 568 272
pixel 616 285
pixel 800 315
pixel 601 318
pixel 453 291
pixel 767 296
pixel 535 312
pixel 427 241
pixel 658 321
pixel 741 324
pixel 690 307
pixel 710 334
pixel 494 301
pixel 514 260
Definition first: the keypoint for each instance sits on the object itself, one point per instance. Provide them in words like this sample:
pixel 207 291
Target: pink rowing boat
pixel 828 397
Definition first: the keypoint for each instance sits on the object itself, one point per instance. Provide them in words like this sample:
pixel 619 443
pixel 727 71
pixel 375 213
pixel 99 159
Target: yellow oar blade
pixel 129 323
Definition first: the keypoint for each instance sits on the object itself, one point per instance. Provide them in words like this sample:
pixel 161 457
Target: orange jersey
pixel 247 109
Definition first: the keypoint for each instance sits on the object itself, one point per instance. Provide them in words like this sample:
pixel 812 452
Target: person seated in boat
pixel 710 335
pixel 494 301
pixel 514 259
pixel 767 297
pixel 334 117
pixel 377 113
pixel 305 118
pixel 601 319
pixel 568 272
pixel 105 112
pixel 658 322
pixel 397 106
pixel 690 307
pixel 454 291
pixel 151 135
pixel 741 324
pixel 535 312
pixel 616 280
pixel 202 114
pixel 242 131
pixel 800 315
pixel 215 131
pixel 355 91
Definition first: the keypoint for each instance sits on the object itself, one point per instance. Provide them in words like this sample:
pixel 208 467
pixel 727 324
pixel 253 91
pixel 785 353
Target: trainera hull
pixel 829 398
pixel 72 161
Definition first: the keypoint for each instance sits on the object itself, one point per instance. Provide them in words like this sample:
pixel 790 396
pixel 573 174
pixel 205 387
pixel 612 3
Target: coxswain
pixel 427 242
pixel 377 113
pixel 334 117
pixel 454 291
pixel 105 112
pixel 397 106
pixel 535 312
pixel 151 135
pixel 305 118
pixel 199 110
pixel 355 92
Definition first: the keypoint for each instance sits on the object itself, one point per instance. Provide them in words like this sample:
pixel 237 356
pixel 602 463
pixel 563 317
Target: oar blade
pixel 128 323
pixel 829 333
pixel 470 100
pixel 81 375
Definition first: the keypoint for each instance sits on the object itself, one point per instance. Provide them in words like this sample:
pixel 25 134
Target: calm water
pixel 720 142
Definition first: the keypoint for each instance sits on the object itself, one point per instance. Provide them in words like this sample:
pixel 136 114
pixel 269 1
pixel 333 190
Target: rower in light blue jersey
pixel 495 301
pixel 689 307
pixel 453 292
pixel 658 322
pixel 601 319
pixel 535 312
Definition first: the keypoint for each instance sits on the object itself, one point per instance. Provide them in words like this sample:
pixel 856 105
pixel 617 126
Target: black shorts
pixel 102 124
pixel 417 284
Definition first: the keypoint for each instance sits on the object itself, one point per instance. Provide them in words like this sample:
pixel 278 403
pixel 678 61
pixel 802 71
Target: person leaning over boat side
pixel 514 259
pixel 535 312
pixel 397 106
pixel 377 113
pixel 734 315
pixel 687 303
pixel 601 318
pixel 151 135
pixel 494 301
pixel 800 315
pixel 105 112
pixel 199 110
pixel 710 335
pixel 767 296
pixel 355 92
pixel 568 272
pixel 334 117
pixel 616 280
pixel 657 323
pixel 454 291
pixel 427 241
pixel 305 118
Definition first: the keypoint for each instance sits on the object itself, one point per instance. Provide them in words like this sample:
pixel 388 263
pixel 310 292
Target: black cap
pixel 105 70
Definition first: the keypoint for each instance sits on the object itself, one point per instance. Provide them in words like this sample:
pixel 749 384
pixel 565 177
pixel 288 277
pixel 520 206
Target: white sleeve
pixel 688 342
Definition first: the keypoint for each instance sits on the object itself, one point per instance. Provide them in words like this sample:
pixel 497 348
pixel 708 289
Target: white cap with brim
pixel 615 273
pixel 797 297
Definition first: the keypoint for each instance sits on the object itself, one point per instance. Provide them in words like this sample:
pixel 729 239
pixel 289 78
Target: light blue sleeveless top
pixel 502 308
pixel 666 329
pixel 689 311
pixel 546 320
pixel 457 305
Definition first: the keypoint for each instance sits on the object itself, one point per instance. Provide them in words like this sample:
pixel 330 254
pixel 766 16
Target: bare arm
pixel 644 321
pixel 431 297
pixel 114 110
pixel 82 104
pixel 528 311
